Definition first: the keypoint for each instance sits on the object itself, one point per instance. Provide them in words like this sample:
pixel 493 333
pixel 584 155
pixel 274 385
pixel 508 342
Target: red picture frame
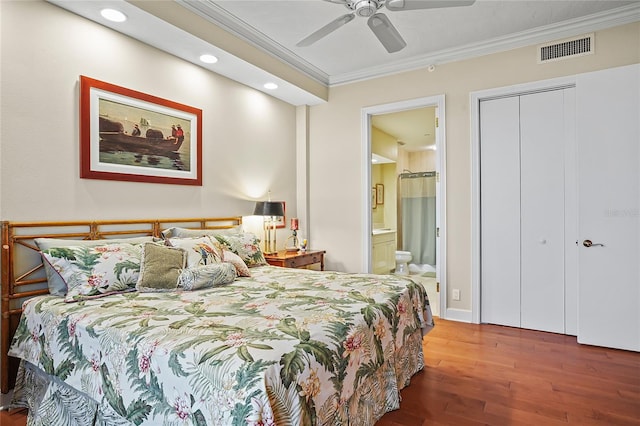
pixel 128 135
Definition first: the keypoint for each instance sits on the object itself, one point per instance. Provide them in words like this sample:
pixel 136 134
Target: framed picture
pixel 379 193
pixel 374 198
pixel 131 136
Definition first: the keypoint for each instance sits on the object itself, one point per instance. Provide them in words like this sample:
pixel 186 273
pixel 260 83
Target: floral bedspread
pixel 285 347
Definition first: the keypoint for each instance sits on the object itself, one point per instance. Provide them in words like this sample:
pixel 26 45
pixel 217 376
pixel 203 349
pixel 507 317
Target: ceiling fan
pixel 378 22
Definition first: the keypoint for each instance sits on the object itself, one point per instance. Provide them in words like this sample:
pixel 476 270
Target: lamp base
pixel 270 246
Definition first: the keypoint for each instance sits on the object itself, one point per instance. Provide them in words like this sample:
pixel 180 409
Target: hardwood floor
pixel 486 374
pixel 492 375
pixel 13 418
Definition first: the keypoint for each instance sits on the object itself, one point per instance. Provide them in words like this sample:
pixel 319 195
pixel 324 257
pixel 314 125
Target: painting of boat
pixel 114 138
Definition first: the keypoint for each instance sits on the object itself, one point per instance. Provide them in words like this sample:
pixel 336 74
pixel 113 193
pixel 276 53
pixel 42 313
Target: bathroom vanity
pixel 383 249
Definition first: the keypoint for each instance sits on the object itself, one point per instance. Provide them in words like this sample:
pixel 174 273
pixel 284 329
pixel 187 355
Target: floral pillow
pixel 208 251
pixel 56 284
pixel 241 268
pixel 97 271
pixel 200 251
pixel 245 245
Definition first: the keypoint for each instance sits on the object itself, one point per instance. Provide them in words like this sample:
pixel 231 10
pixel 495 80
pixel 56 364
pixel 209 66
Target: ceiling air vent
pixel 568 48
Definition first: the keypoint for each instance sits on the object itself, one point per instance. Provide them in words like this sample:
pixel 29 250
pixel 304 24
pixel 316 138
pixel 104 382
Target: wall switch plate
pixel 456 294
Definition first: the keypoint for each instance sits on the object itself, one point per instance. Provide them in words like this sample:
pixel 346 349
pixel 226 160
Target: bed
pixel 281 346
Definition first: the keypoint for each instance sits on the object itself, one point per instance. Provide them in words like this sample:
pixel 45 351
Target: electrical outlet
pixel 456 294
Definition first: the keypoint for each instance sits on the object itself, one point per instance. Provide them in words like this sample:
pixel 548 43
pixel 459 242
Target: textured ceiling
pixel 433 36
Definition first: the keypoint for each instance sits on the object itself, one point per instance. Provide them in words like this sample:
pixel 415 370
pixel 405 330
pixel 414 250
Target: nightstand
pixel 296 259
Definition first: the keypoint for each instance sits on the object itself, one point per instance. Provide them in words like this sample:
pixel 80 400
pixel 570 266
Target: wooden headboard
pixel 23 274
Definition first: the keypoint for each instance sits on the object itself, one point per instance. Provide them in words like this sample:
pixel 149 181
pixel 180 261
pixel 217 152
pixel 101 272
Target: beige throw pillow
pixel 160 268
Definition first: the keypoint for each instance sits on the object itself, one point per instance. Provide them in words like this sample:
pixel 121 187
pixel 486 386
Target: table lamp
pixel 271 210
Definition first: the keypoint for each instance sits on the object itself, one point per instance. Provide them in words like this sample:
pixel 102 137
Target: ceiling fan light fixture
pixel 381 26
pixel 366 8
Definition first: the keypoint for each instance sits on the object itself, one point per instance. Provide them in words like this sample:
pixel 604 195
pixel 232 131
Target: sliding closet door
pixel 500 211
pixel 542 142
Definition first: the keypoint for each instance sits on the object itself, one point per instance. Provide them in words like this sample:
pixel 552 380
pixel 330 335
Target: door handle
pixel 588 243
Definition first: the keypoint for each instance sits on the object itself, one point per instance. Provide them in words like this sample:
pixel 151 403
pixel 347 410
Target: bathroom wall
pixel 377 213
pixel 383 144
pixel 384 215
pixel 390 206
pixel 422 161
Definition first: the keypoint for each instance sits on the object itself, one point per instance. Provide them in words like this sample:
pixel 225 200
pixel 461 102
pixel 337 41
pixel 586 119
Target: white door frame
pixel 475 98
pixel 366 114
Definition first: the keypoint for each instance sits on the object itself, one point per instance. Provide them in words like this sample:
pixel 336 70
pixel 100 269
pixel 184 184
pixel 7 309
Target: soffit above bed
pixel 170 28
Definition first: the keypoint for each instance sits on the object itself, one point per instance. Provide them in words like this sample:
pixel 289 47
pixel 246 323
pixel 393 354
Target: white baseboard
pixel 462 315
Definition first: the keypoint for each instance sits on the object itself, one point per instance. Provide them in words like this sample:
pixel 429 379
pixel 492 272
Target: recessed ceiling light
pixel 270 86
pixel 208 59
pixel 113 15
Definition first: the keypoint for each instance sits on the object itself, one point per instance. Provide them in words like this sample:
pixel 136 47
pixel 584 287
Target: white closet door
pixel 500 211
pixel 542 144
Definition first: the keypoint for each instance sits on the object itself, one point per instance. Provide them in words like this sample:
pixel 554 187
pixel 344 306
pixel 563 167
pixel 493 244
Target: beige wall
pixel 248 137
pixel 339 229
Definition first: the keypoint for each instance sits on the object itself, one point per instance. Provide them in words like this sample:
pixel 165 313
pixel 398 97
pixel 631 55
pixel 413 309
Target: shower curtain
pixel 417 193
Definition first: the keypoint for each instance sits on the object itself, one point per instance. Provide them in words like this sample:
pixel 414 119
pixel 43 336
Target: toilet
pixel 402 260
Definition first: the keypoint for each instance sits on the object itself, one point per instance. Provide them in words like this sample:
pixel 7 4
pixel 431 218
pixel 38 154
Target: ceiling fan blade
pixel 386 32
pixel 324 31
pixel 396 5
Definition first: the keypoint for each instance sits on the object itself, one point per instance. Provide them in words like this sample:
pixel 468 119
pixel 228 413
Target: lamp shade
pixel 269 208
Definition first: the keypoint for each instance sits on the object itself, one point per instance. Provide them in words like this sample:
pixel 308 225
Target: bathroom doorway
pixel 403 144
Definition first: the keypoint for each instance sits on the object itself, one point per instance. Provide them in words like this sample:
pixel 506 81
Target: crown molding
pixel 612 18
pixel 607 19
